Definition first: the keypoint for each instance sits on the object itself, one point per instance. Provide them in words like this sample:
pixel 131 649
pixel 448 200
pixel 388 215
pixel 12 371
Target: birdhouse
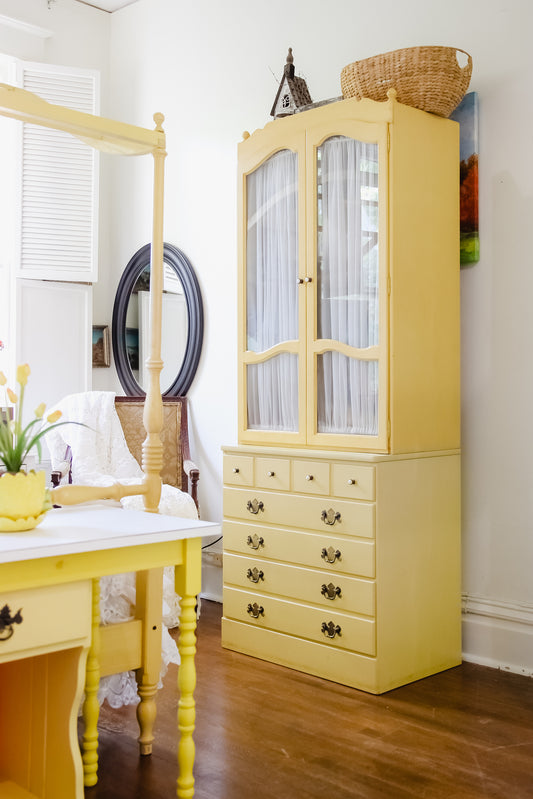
pixel 292 92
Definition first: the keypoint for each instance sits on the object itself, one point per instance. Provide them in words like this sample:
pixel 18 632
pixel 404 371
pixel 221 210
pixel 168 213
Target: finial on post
pixel 159 119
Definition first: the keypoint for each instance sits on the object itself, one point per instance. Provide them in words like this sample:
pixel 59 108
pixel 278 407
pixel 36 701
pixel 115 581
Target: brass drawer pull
pixel 255 541
pixel 254 505
pixel 255 575
pixel 330 555
pixel 255 610
pixel 331 629
pixel 330 516
pixel 7 621
pixel 330 591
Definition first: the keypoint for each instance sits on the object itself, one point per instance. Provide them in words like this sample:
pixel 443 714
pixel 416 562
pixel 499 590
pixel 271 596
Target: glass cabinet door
pixel 271 294
pixel 347 295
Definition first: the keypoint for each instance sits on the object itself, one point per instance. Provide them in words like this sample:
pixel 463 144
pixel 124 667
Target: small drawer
pixel 51 618
pixel 273 473
pixel 320 551
pixel 339 630
pixel 326 514
pixel 310 477
pixel 238 470
pixel 338 592
pixel 353 481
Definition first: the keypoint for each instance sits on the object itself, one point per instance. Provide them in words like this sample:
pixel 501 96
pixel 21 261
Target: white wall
pixel 208 67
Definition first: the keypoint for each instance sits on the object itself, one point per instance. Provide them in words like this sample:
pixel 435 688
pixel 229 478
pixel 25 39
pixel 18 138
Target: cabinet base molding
pixel 347 668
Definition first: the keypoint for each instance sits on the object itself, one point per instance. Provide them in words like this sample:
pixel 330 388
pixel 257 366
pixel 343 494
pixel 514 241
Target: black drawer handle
pixel 7 621
pixel 254 505
pixel 330 555
pixel 330 516
pixel 255 574
pixel 255 610
pixel 331 629
pixel 330 591
pixel 255 541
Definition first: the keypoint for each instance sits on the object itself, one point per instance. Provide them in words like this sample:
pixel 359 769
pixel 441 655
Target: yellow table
pixel 48 574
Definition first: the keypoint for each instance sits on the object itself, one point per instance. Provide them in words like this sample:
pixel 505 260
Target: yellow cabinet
pixel 349 270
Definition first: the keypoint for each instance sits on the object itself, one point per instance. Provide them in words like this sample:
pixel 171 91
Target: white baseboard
pixel 498 634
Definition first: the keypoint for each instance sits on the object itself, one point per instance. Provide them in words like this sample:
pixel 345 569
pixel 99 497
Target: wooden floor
pixel 266 732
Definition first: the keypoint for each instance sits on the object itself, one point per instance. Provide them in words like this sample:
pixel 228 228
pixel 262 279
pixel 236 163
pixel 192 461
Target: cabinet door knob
pixel 235 470
pixel 271 474
pixel 308 279
pixel 330 555
pixel 352 482
pixel 309 477
pixel 299 280
pixel 330 629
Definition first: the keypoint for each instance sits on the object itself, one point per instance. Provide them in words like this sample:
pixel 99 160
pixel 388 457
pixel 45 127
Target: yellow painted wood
pixel 148 603
pixel 295 510
pixel 51 619
pixel 273 473
pixel 355 556
pixel 353 481
pixel 9 790
pixel 238 470
pixel 355 595
pixel 121 647
pixel 303 621
pixel 310 477
pixel 91 706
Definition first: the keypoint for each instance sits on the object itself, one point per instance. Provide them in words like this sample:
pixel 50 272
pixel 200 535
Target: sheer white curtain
pixel 348 285
pixel 272 292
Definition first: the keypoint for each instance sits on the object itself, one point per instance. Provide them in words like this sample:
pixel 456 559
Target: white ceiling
pixel 108 5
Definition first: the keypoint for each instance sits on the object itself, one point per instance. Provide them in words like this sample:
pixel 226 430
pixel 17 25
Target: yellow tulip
pixel 12 396
pixel 23 372
pixel 3 379
pixel 53 417
pixel 39 410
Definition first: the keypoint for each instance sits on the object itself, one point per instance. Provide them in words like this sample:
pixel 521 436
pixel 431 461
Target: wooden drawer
pixel 303 512
pixel 310 477
pixel 55 617
pixel 238 470
pixel 353 633
pixel 318 550
pixel 353 481
pixel 273 473
pixel 309 585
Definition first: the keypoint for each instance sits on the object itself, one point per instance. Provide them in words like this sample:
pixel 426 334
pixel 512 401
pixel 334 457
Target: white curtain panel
pixel 272 291
pixel 348 285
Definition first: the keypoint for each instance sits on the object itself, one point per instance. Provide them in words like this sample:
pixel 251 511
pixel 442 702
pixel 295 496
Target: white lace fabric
pixel 100 456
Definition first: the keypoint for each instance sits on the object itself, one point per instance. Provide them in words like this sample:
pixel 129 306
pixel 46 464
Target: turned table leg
pixel 186 705
pixel 91 707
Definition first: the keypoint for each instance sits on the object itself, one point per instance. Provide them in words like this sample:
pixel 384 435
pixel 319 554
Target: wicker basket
pixel 428 78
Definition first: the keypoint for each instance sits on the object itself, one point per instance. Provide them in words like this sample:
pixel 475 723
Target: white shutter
pixel 59 199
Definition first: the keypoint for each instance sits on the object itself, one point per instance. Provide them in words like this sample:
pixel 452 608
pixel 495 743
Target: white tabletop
pixel 75 529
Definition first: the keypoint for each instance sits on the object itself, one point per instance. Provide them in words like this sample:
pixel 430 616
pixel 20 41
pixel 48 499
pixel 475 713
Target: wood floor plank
pixel 266 732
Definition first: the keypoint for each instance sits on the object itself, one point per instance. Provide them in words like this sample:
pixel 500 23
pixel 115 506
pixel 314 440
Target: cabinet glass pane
pixel 347 395
pixel 273 393
pixel 347 245
pixel 272 252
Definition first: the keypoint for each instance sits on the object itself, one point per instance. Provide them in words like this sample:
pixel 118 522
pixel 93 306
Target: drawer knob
pixel 330 516
pixel 254 505
pixel 330 555
pixel 352 482
pixel 308 279
pixel 255 541
pixel 330 591
pixel 255 575
pixel 309 477
pixel 235 470
pixel 7 621
pixel 299 280
pixel 255 610
pixel 330 629
pixel 271 474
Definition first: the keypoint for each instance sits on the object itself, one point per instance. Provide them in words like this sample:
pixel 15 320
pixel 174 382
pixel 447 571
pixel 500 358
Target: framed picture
pixel 101 351
pixel 467 114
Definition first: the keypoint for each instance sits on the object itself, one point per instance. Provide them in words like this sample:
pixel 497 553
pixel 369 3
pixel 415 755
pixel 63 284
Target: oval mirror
pixel 182 323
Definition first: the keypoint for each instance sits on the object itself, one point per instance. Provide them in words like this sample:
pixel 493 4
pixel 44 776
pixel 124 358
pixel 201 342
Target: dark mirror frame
pixel 193 298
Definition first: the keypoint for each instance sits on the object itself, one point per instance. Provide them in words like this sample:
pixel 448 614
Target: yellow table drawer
pixel 310 477
pixel 303 512
pixel 238 470
pixel 353 481
pixel 326 625
pixel 273 473
pixel 54 617
pixel 318 550
pixel 308 585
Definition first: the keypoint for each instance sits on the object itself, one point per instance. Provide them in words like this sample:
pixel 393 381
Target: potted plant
pixel 24 497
